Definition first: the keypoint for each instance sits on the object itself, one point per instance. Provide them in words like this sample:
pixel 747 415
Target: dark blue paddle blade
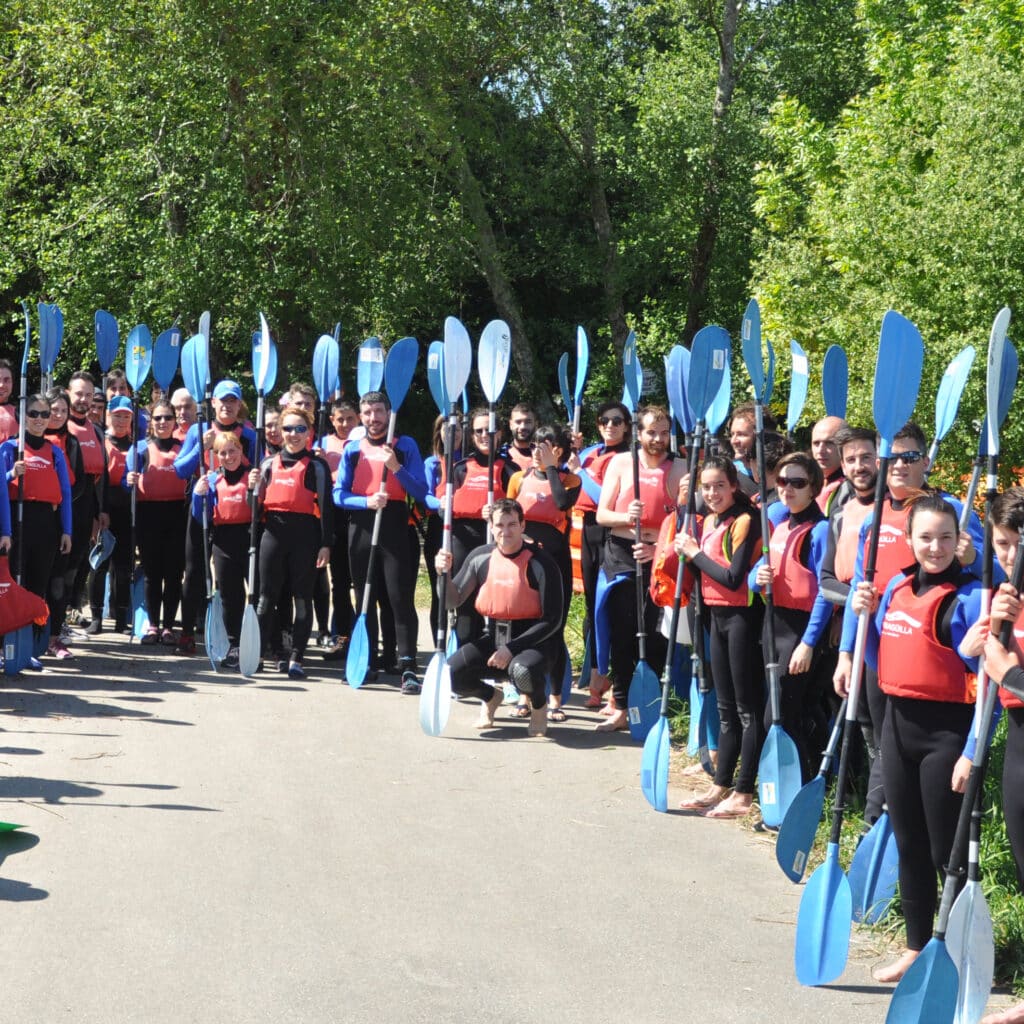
pixel 458 358
pixel 769 384
pixel 399 369
pixel 249 643
pixel 138 356
pixel 798 829
pixel 582 364
pixel 358 659
pixel 166 353
pixel 631 395
pixel 436 696
pixel 927 992
pixel 823 923
pixel 644 707
pixel 993 371
pixel 778 776
pixel 41 634
pixel 835 380
pixel 28 338
pixel 369 366
pixel 753 357
pixel 19 649
pixel 897 376
pixel 797 386
pixel 47 337
pixel 677 375
pixel 563 385
pixel 720 406
pixel 494 357
pixel 874 872
pixel 654 765
pixel 326 357
pixel 107 340
pixel 709 356
pixel 435 376
pixel 951 388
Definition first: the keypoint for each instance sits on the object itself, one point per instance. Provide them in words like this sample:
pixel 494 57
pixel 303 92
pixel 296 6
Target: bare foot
pixel 538 722
pixel 736 806
pixel 488 709
pixel 894 972
pixel 1014 1015
pixel 615 721
pixel 709 798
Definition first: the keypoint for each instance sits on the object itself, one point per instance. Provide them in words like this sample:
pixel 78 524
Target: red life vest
pixel 853 515
pixel 521 460
pixel 232 504
pixel 471 493
pixel 894 553
pixel 332 448
pixel 911 660
pixel 795 585
pixel 208 455
pixel 596 465
pixel 8 423
pixel 1007 699
pixel 41 481
pixel 537 500
pixel 159 482
pixel 93 455
pixel 117 463
pixel 61 441
pixel 713 545
pixel 369 471
pixel 287 490
pixel 824 499
pixel 506 593
pixel 657 502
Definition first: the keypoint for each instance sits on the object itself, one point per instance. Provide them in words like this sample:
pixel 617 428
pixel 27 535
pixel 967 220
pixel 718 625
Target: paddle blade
pixel 458 357
pixel 897 376
pixel 369 366
pixel 720 405
pixel 874 872
pixel 644 707
pixel 563 385
pixel 494 356
pixel 972 949
pixel 325 367
pixel 835 380
pixel 399 369
pixel 188 369
pixel 582 363
pixel 709 356
pixel 927 992
pixel 358 660
pixel 249 643
pixel 140 617
pixel 629 360
pixel 993 373
pixel 677 374
pixel 166 352
pixel 797 386
pixel 696 700
pixel 107 340
pixel 201 354
pixel 823 923
pixel 435 376
pixel 951 388
pixel 217 640
pixel 753 358
pixel 19 649
pixel 769 385
pixel 138 356
pixel 778 776
pixel 436 696
pixel 654 765
pixel 452 643
pixel 798 829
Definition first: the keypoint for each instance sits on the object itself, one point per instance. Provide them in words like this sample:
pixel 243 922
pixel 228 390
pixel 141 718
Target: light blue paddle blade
pixel 261 345
pixel 217 640
pixel 798 829
pixel 971 947
pixel 436 696
pixel 927 992
pixel 399 368
pixel 797 386
pixel 435 376
pixel 874 872
pixel 451 645
pixel 458 357
pixel 951 389
pixel 631 395
pixel 201 354
pixel 582 364
pixel 188 369
pixel 897 376
pixel 835 381
pixel 720 406
pixel 709 356
pixel 271 370
pixel 563 385
pixel 823 923
pixel 696 700
pixel 140 617
pixel 18 649
pixel 250 643
pixel 138 356
pixel 166 353
pixel 106 596
pixel 107 339
pixel 494 357
pixel 358 660
pixel 753 358
pixel 677 375
pixel 28 338
pixel 644 704
pixel 654 765
pixel 993 372
pixel 778 776
pixel 369 366
pixel 326 356
pixel 208 636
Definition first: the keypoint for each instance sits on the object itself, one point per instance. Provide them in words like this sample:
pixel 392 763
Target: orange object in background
pixel 575 540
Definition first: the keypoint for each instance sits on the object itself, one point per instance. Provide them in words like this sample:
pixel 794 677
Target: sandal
pixel 706 802
pixel 151 636
pixel 556 715
pixel 522 711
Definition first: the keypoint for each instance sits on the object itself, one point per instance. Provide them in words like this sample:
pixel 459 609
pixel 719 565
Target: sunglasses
pixel 162 419
pixel 909 458
pixel 796 482
pixel 611 421
pixel 37 414
pixel 296 428
pixel 480 430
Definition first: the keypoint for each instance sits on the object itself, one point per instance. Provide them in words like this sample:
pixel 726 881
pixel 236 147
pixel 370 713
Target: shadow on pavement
pixel 10 890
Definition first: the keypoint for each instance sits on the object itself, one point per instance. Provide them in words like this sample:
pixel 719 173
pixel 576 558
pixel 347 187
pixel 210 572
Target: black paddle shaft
pixel 254 497
pixel 772 662
pixel 641 634
pixel 449 491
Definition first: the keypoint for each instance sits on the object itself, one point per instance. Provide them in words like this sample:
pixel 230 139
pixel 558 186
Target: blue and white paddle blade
pixel 458 357
pixel 494 357
pixel 797 385
pixel 435 376
pixel 369 366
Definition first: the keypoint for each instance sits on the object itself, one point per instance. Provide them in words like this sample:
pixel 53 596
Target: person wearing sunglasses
pixel 799 533
pixel 160 518
pixel 294 492
pixel 613 426
pixel 362 489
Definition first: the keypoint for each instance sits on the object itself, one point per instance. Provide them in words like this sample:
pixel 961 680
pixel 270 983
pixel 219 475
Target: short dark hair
pixel 1008 509
pixel 606 407
pixel 82 375
pixel 808 465
pixel 910 431
pixel 375 398
pixel 748 411
pixel 557 435
pixel 922 501
pixel 505 507
pixel 848 435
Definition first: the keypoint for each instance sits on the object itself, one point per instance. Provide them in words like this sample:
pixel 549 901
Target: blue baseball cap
pixel 119 402
pixel 227 389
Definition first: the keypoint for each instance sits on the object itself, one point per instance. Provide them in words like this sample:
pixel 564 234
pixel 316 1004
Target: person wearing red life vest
pixel 914 639
pixel 619 510
pixel 160 522
pixel 294 491
pixel 522 422
pixel 185 412
pixel 517 590
pixel 8 413
pixel 361 490
pixel 826 454
pixel 433 474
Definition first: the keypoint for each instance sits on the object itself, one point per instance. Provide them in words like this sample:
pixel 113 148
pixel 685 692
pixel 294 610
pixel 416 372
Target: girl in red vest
pixel 730 538
pixel 914 639
pixel 160 522
pixel 433 472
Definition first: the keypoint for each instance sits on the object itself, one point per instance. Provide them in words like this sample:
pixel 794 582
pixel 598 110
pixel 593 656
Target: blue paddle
pixel 436 696
pixel 399 368
pixel 826 908
pixel 369 366
pixel 494 356
pixel 107 344
pixel 326 361
pixel 947 400
pixel 778 773
pixel 582 364
pixel 874 872
pixel 800 825
pixel 435 376
pixel 51 336
pixel 137 363
pixel 797 387
pixel 166 352
pixel 563 384
pixel 677 374
pixel 835 381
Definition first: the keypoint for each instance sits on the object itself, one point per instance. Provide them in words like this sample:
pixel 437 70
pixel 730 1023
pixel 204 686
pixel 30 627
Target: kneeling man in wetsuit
pixel 517 588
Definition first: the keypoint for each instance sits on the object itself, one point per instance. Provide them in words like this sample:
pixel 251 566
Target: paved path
pixel 207 850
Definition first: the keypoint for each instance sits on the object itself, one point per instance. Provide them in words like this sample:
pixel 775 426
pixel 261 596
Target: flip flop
pixel 725 814
pixel 556 715
pixel 697 803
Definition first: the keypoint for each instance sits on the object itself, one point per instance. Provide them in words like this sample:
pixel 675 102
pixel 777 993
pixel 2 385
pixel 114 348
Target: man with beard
pixel 361 490
pixel 8 416
pixel 522 422
pixel 825 453
pixel 619 509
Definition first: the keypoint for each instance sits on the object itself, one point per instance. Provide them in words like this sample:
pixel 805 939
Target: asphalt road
pixel 201 848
